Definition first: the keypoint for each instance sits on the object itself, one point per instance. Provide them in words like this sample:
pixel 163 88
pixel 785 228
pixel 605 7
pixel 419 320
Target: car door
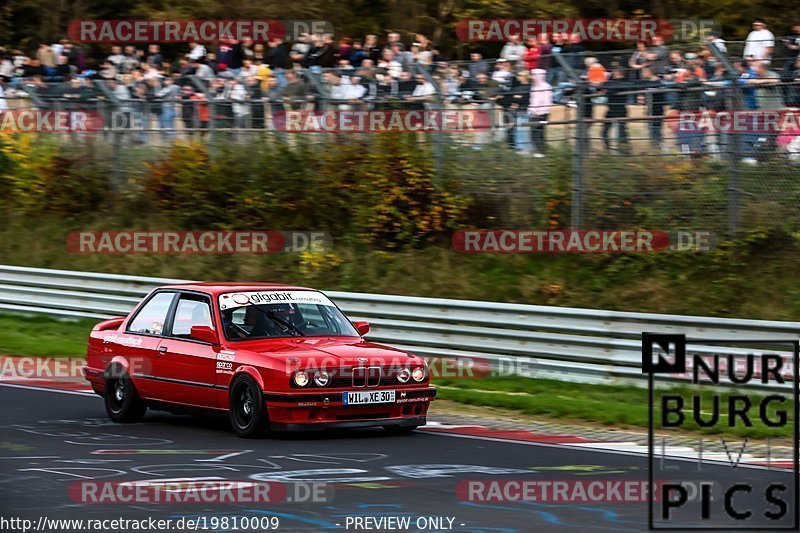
pixel 188 366
pixel 140 343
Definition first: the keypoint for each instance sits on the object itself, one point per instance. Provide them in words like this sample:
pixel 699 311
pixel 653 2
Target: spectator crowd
pixel 529 86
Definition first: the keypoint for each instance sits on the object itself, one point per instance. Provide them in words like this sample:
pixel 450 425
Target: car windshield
pixel 268 314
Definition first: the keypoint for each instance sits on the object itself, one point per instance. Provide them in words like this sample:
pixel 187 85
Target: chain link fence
pixel 597 140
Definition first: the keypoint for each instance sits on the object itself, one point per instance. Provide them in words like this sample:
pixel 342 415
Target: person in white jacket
pixel 513 50
pixel 241 108
pixel 760 42
pixel 541 103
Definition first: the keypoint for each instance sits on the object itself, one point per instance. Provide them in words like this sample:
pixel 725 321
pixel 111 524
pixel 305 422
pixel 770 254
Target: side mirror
pixel 362 327
pixel 203 333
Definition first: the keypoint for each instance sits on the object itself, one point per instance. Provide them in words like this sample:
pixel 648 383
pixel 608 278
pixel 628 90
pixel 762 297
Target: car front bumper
pixel 315 411
pixel 349 424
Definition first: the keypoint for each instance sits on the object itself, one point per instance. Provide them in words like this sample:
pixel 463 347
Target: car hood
pixel 320 352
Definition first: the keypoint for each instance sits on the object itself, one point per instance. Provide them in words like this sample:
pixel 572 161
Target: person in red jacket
pixel 531 57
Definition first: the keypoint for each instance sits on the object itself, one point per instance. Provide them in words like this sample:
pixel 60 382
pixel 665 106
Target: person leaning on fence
pixel 690 138
pixel 539 106
pixel 202 111
pixel 517 101
pixel 508 106
pixel 638 61
pixel 656 102
pixel 791 79
pixel 532 54
pixel 760 42
pixel 295 93
pixel 485 92
pixel 555 75
pixel 168 94
pixel 188 112
pixel 513 51
pixel 617 110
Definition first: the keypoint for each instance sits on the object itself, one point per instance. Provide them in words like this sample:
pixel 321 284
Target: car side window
pixel 191 311
pixel 151 317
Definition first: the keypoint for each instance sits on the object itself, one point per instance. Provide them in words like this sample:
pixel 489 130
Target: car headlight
pixel 404 375
pixel 321 378
pixel 418 374
pixel 301 379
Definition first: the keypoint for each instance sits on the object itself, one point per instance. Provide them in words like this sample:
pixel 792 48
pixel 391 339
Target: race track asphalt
pixel 51 440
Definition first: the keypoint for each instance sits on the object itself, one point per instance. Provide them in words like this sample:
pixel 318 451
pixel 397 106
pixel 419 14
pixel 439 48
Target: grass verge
pixel 43 335
pixel 620 406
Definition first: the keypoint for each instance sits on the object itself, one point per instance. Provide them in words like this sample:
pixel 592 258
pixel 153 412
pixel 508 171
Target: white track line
pixel 28 387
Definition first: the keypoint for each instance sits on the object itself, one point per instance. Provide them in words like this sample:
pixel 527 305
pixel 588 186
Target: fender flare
pixel 117 361
pixel 250 371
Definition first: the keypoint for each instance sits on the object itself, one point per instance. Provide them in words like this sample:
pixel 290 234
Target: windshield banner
pixel 241 299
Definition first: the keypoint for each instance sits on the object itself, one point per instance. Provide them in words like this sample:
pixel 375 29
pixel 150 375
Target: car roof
pixel 219 287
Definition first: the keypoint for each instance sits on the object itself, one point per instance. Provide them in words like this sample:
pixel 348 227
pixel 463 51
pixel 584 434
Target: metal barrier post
pixel 733 101
pixel 439 134
pixel 581 143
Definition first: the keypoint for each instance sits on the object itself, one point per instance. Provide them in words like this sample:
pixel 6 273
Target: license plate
pixel 367 397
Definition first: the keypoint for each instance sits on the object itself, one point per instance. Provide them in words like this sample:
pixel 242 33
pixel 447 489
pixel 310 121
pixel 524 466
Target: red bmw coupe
pixel 274 357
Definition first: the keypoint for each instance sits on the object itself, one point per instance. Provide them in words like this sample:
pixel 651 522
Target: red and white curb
pixel 633 448
pixel 55 385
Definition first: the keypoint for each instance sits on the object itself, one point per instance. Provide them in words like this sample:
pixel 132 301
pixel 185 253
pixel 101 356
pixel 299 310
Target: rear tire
pixel 122 400
pixel 400 430
pixel 247 412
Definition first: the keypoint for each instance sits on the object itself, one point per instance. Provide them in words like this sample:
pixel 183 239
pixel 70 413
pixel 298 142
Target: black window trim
pixel 174 308
pixel 143 305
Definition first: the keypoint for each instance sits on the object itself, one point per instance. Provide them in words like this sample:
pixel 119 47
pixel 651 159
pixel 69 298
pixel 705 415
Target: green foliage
pixel 384 197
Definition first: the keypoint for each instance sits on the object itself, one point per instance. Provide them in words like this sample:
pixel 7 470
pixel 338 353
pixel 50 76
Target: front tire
pixel 247 411
pixel 122 400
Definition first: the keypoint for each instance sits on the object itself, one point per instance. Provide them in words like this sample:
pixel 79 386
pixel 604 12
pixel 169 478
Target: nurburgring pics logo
pixel 737 386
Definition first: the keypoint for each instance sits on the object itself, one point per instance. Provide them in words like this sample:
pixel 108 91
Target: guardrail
pixel 563 343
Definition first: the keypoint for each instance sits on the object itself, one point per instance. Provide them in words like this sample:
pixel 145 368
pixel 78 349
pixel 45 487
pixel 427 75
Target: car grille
pixel 359 377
